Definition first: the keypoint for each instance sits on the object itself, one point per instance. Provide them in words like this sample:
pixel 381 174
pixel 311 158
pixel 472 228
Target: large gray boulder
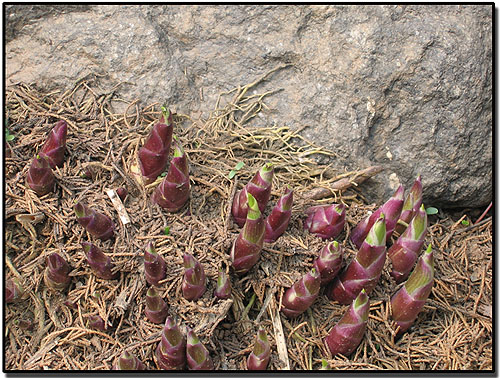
pixel 408 87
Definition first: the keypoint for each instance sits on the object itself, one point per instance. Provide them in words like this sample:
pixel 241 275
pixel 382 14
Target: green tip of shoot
pixel 361 299
pixel 267 167
pixel 165 111
pixel 178 150
pixel 79 209
pixel 253 208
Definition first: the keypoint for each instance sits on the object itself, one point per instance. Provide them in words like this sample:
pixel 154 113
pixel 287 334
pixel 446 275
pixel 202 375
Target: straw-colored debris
pixel 48 330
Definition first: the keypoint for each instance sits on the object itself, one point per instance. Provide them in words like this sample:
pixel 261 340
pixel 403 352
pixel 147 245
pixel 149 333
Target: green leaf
pixel 8 136
pixel 163 174
pixel 236 168
pixel 465 222
pixel 324 365
pixel 431 210
pixel 166 230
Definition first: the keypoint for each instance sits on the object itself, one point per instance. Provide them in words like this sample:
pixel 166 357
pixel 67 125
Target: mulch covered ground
pixel 49 330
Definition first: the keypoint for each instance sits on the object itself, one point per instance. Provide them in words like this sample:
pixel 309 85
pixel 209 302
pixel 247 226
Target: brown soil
pixel 49 330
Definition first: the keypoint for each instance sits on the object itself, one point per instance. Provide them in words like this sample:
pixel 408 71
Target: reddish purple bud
pixel 153 156
pixel 7 149
pixel 173 192
pixel 261 353
pixel 404 252
pixel 154 265
pixel 194 283
pixel 329 261
pixel 277 221
pixel 259 187
pixel 197 355
pixel 391 209
pixel 127 361
pixel 100 263
pixel 96 322
pixel 408 301
pixel 302 294
pixel 55 145
pixel 122 193
pixel 70 304
pixel 13 290
pixel 156 307
pixel 24 324
pixel 98 225
pixel 171 351
pixel 325 221
pixel 87 173
pixel 364 270
pixel 248 245
pixel 411 205
pixel 40 177
pixel 56 273
pixel 347 334
pixel 223 288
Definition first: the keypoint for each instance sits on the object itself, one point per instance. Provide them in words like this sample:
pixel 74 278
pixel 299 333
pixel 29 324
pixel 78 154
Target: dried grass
pixel 454 331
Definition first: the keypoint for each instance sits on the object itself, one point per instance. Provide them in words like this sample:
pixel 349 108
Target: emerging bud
pixel 302 294
pixel 194 283
pixel 98 225
pixel 223 288
pixel 411 205
pixel 259 358
pixel 247 247
pixel 24 324
pixel 100 263
pixel 88 172
pixel 40 177
pixel 55 145
pixel 71 304
pixel 13 290
pixel 365 268
pixel 404 252
pixel 277 221
pixel 325 221
pixel 391 209
pixel 156 307
pixel 56 273
pixel 259 187
pixel 127 361
pixel 408 301
pixel 329 261
pixel 96 322
pixel 122 193
pixel 173 192
pixel 154 265
pixel 171 351
pixel 197 355
pixel 345 337
pixel 153 156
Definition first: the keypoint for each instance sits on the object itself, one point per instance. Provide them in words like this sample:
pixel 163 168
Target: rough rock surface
pixel 408 87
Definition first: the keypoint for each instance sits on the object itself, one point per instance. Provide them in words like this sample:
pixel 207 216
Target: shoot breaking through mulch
pixel 48 330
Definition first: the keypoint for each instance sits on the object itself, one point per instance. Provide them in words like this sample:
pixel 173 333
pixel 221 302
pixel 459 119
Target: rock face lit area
pixel 408 87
